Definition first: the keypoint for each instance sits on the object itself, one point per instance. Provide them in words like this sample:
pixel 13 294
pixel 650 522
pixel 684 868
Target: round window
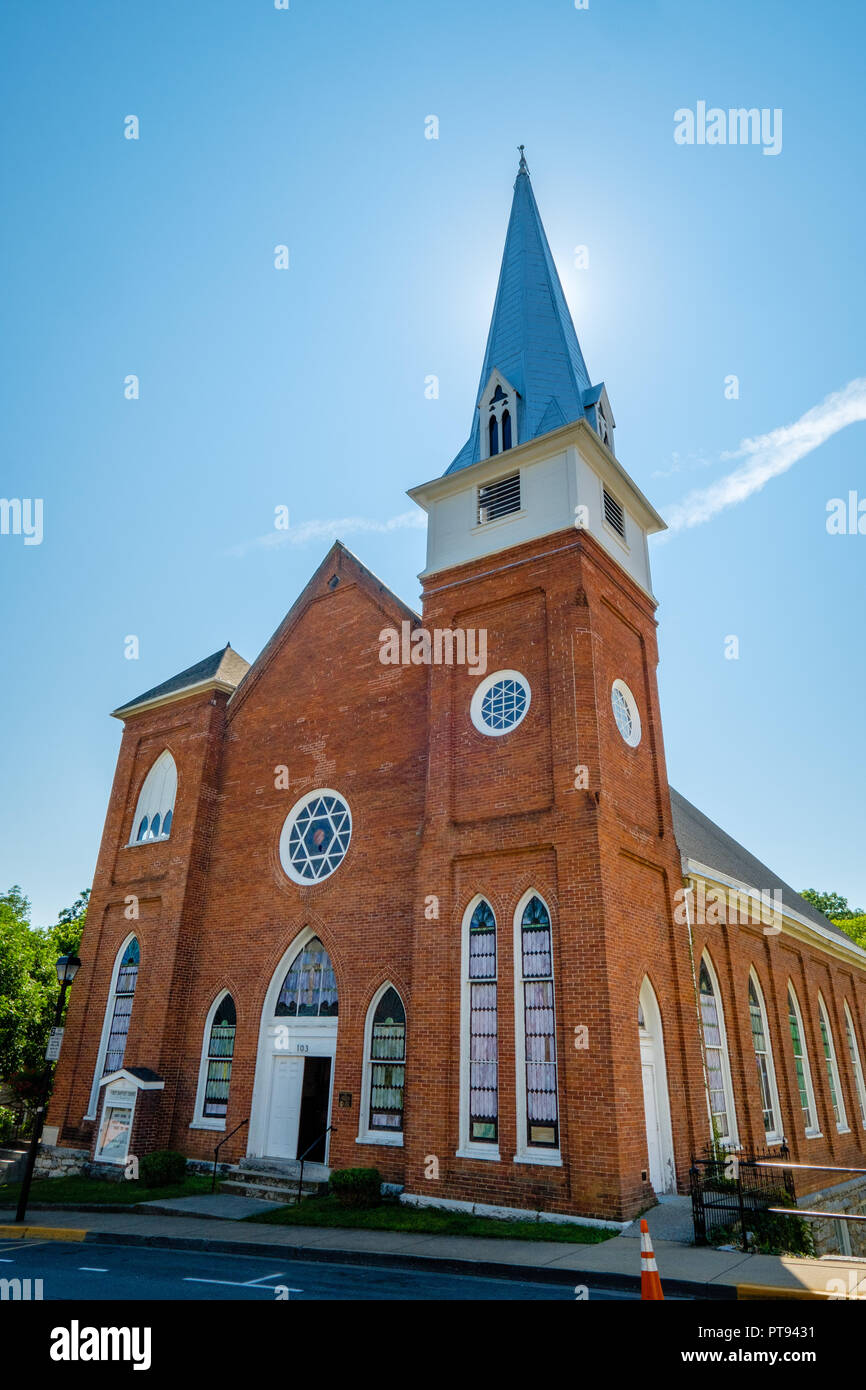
pixel 315 836
pixel 500 702
pixel 625 712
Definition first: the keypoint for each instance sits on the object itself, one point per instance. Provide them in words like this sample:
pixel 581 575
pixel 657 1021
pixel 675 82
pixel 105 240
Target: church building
pixel 412 891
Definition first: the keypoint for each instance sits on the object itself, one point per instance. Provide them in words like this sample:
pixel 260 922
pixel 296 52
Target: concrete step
pixel 12 1167
pixel 284 1168
pixel 286 1193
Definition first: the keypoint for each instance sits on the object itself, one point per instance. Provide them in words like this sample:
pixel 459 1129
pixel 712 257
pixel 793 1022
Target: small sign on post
pixel 52 1051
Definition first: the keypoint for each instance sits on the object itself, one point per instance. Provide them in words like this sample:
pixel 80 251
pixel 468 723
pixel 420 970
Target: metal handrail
pixel 302 1157
pixel 218 1146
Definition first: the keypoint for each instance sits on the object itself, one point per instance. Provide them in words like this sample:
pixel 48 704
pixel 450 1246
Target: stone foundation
pixel 53 1162
pixel 842 1197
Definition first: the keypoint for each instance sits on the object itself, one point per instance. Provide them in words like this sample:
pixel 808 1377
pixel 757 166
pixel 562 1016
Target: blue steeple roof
pixel 532 341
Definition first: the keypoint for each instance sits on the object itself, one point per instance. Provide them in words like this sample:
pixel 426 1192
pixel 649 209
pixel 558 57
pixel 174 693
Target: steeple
pixel 532 346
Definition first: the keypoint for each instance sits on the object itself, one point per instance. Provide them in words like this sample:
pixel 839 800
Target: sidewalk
pixel 695 1272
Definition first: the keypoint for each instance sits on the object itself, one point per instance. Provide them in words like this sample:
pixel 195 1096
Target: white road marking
pixel 237 1283
pixel 92 1269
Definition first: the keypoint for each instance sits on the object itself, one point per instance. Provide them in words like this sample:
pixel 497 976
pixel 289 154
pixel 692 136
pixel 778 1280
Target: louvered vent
pixel 499 498
pixel 614 514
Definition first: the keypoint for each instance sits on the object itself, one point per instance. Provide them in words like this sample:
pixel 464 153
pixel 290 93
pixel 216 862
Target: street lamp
pixel 67 969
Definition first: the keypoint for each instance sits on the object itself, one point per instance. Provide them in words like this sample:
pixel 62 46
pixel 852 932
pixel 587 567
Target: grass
pixel 89 1191
pixel 395 1216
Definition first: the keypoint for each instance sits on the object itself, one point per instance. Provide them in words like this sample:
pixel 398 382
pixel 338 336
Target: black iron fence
pixel 732 1190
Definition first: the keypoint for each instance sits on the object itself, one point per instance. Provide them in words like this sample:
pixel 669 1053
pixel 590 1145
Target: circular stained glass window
pixel 625 712
pixel 315 837
pixel 500 702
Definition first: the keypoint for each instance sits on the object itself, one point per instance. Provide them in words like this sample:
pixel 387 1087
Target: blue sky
pixel 305 387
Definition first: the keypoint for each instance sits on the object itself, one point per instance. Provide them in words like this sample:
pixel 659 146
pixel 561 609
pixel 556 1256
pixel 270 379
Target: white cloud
pixel 330 530
pixel 771 454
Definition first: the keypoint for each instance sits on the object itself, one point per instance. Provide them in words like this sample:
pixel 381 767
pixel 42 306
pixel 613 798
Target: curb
pixel 43 1232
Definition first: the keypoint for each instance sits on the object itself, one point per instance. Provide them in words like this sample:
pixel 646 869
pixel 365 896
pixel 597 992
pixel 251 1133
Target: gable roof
pixel 532 341
pixel 701 840
pixel 224 669
pixel 339 563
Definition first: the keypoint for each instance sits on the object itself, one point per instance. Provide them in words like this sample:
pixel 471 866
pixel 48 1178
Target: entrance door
pixel 285 1107
pixel 656 1104
pixel 315 1098
pixel 651 1112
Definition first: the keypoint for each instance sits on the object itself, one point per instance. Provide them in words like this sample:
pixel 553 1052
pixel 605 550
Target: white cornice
pixel 793 922
pixel 197 688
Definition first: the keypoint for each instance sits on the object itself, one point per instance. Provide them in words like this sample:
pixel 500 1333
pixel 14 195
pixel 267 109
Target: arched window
pixel 722 1114
pixel 856 1067
pixel 310 988
pixel 801 1062
pixel 538 1116
pixel 216 1068
pixel 833 1079
pixel 493 430
pixel 480 1045
pixel 384 1069
pixel 155 806
pixel 506 430
pixel 764 1058
pixel 118 1011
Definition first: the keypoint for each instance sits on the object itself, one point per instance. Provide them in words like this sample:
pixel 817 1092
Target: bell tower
pixel 547 796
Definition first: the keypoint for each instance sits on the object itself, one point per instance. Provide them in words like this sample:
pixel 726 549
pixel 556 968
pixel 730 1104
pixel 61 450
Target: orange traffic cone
pixel 650 1283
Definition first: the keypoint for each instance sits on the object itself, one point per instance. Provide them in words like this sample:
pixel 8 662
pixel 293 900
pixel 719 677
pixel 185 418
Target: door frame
pixel 652 1037
pixel 286 1037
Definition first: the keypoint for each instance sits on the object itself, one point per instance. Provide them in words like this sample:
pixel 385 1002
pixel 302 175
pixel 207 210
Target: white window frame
pixel 92 1104
pixel 161 776
pixel 287 866
pixel 856 1064
pixel 731 1140
pixel 200 1120
pixel 619 687
pixel 775 1135
pixel 812 1131
pixel 840 1113
pixel 525 1152
pixel 468 1147
pixel 366 1135
pixel 481 690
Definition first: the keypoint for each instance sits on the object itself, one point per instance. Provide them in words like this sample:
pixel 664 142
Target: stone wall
pixel 54 1162
pixel 844 1197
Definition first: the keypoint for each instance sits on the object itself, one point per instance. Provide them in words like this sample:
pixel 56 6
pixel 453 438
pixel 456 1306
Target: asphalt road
pixel 79 1270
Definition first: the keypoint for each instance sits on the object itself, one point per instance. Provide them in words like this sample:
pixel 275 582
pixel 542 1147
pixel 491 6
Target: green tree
pixel 28 977
pixel 833 905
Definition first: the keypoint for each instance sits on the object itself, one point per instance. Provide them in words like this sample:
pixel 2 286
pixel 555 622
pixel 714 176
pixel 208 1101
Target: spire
pixel 532 342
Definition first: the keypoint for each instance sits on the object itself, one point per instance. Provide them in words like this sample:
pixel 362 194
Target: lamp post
pixel 67 969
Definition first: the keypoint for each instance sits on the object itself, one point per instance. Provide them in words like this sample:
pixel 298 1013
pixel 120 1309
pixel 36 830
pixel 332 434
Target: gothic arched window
pixel 480 1042
pixel 506 430
pixel 493 431
pixel 155 805
pixel 539 1126
pixel 220 1042
pixel 310 987
pixel 801 1062
pixel 716 1054
pixel 764 1059
pixel 385 1065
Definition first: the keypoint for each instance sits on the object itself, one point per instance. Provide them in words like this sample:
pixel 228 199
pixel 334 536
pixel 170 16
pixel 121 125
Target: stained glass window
pixel 714 1048
pixel 854 1053
pixel 764 1059
pixel 801 1062
pixel 833 1080
pixel 315 837
pixel 483 1028
pixel 542 1114
pixel 387 1063
pixel 221 1046
pixel 153 810
pixel 124 990
pixel 310 988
